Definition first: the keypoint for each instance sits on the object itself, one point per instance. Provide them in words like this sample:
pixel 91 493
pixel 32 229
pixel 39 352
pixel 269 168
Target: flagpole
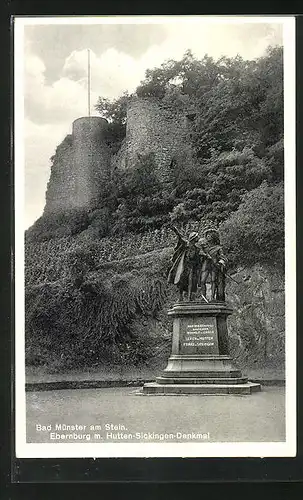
pixel 88 81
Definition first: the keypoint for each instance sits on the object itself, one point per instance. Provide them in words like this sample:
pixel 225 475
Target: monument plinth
pixel 200 362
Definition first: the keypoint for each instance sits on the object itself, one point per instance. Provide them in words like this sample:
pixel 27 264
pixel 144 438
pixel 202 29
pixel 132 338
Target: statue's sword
pixel 204 298
pixel 224 272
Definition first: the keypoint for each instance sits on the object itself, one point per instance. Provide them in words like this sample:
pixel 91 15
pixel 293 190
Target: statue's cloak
pixel 177 262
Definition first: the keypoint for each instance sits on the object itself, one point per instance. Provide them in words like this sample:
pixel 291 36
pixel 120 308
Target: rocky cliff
pixel 257 326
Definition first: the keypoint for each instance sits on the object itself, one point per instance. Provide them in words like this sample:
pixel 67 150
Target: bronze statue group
pixel 196 262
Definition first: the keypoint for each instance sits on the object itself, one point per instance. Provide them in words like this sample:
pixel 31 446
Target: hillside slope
pixel 85 310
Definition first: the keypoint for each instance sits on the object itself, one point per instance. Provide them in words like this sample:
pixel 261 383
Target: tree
pixel 115 112
pixel 235 111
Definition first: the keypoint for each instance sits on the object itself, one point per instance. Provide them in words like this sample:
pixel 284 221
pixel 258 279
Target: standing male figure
pixel 185 264
pixel 213 265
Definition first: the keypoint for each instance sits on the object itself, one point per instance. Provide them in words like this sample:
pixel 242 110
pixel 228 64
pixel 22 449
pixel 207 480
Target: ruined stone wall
pixel 119 159
pixel 152 127
pixel 61 185
pixel 83 162
pixel 81 167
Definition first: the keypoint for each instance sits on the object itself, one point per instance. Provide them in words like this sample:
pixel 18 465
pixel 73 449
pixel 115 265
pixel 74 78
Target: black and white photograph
pixel 155 262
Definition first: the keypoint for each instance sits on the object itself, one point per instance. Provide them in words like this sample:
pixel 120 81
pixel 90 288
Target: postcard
pixel 155 261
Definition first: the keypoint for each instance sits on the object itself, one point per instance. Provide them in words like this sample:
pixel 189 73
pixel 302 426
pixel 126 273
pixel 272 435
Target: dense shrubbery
pixel 255 232
pixel 94 317
pixel 58 225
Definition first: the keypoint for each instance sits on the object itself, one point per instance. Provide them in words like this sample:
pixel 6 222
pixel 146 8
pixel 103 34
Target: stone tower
pixel 83 162
pixel 152 127
pixel 81 167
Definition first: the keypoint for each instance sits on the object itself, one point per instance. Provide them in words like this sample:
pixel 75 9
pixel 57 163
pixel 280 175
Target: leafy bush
pixel 255 232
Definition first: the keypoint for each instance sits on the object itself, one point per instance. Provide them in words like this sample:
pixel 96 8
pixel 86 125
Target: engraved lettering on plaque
pixel 200 337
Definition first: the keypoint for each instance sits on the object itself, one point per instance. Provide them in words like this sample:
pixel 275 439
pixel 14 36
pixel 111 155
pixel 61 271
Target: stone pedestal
pixel 200 361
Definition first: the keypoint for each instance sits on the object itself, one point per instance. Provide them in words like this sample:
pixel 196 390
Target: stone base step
pixel 153 388
pixel 201 380
pixel 178 374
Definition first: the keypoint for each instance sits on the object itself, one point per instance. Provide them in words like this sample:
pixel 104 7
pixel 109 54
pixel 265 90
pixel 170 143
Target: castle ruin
pixel 83 161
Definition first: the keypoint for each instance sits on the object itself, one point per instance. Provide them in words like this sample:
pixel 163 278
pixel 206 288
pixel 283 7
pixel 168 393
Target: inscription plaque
pixel 199 336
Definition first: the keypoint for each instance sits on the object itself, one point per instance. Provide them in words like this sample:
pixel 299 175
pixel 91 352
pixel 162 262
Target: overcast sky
pixel 55 83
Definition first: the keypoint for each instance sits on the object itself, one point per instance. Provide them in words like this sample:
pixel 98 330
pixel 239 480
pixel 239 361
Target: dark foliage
pixel 115 113
pixel 255 232
pixel 58 225
pixel 93 317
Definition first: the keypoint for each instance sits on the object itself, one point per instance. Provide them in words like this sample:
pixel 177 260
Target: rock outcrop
pixel 257 326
